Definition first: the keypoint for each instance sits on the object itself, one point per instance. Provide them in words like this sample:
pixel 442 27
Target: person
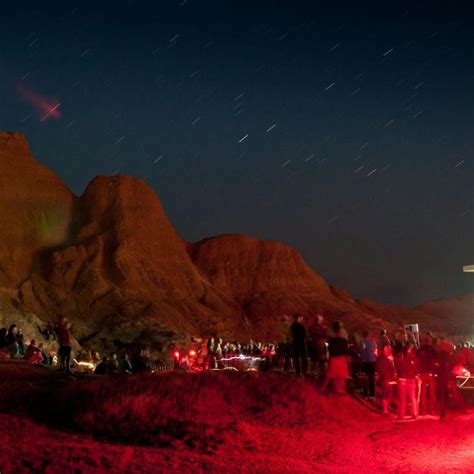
pixel 464 355
pixel 64 338
pixel 446 364
pixel 398 345
pixel 33 354
pixel 298 337
pixel 101 368
pixel 353 359
pixel 368 359
pixel 11 340
pixel 386 369
pixel 113 366
pixel 95 358
pixel 342 331
pixel 49 331
pixel 125 365
pixel 218 351
pixel 408 382
pixel 141 362
pixel 211 355
pixel 20 342
pixel 47 359
pixel 338 349
pixel 428 366
pixel 286 346
pixel 3 338
pixel 383 340
pixel 318 334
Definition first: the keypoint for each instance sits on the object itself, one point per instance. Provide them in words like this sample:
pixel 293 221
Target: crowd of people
pixel 405 371
pixel 13 346
pixel 413 371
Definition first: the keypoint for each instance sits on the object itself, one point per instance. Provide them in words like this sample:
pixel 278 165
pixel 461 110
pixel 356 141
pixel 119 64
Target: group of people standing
pixel 414 378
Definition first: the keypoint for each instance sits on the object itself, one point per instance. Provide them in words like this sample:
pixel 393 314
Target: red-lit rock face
pixel 112 261
pixel 35 210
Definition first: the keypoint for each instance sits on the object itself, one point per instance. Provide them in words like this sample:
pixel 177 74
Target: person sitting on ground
pixel 47 359
pixel 238 347
pixel 95 358
pixel 33 354
pixel 113 366
pixel 101 368
pixel 125 365
pixel 338 371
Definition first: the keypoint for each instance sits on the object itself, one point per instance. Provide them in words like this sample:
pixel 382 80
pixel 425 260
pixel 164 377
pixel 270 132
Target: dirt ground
pixel 356 440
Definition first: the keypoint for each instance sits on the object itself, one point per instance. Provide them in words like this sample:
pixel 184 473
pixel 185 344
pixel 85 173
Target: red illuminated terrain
pixel 213 422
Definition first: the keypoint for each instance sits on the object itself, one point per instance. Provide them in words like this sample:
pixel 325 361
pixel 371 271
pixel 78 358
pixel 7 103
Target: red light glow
pixel 46 108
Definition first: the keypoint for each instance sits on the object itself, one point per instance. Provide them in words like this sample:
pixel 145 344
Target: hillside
pixel 112 261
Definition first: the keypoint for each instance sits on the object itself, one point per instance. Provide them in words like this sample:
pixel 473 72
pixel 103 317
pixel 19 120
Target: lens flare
pixel 47 108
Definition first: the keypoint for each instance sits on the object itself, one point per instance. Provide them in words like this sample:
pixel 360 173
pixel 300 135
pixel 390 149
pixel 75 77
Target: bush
pixel 197 409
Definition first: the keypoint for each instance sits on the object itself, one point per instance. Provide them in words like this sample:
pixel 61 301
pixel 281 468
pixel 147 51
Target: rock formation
pixel 112 261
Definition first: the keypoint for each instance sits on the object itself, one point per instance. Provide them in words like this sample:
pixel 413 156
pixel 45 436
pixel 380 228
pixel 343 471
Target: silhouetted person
pixel 338 349
pixel 383 340
pixel 445 376
pixel 368 359
pixel 20 341
pixel 113 365
pixel 12 340
pixel 3 338
pixel 318 334
pixel 49 331
pixel 101 368
pixel 126 365
pixel 388 375
pixel 64 338
pixel 298 336
pixel 141 362
pixel 428 366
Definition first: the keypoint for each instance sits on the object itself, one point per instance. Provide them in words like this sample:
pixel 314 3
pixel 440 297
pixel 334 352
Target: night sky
pixel 345 132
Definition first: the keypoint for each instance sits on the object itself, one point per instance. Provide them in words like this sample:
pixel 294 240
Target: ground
pixel 340 436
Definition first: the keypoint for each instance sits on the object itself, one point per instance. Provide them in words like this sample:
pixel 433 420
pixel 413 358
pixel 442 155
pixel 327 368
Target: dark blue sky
pixel 346 131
